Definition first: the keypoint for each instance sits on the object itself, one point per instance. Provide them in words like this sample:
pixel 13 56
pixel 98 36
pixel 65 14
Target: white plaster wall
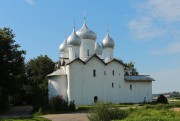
pixel 140 91
pixel 75 91
pixel 84 86
pixel 93 86
pixel 57 85
pixel 81 86
pixel 86 44
pixel 115 94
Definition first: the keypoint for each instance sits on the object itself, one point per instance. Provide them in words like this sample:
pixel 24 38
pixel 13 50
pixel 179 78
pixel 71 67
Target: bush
pixel 72 106
pixel 162 99
pixel 57 103
pixel 106 112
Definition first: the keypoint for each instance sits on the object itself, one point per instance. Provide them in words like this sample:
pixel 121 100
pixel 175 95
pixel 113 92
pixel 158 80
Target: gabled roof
pixel 138 78
pixel 95 56
pixel 77 59
pixel 119 61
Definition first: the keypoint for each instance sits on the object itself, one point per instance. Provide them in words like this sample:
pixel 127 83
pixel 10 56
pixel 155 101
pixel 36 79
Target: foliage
pixel 106 112
pixel 25 119
pixel 159 112
pixel 72 106
pixel 132 70
pixel 143 114
pixel 162 99
pixel 12 72
pixel 37 85
pixel 163 106
pixel 57 103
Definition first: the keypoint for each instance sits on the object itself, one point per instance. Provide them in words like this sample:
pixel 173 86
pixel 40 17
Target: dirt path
pixel 176 109
pixel 18 111
pixel 79 116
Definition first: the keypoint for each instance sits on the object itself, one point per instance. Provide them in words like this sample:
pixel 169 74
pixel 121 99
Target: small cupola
pixel 63 46
pixel 108 42
pixel 74 39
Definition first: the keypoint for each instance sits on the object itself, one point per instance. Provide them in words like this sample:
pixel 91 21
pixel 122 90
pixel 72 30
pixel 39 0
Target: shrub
pixel 72 106
pixel 57 103
pixel 106 112
pixel 162 99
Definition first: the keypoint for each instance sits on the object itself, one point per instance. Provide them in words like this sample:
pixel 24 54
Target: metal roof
pixel 57 73
pixel 138 78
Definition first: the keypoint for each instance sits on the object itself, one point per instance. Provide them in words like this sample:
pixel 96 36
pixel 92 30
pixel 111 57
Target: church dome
pixel 86 33
pixel 74 39
pixel 63 46
pixel 108 42
pixel 97 48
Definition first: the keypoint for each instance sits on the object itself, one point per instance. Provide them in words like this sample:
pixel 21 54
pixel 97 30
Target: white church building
pixel 87 73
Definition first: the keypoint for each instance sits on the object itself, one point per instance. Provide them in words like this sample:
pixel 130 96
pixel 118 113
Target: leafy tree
pixel 11 68
pixel 37 85
pixel 130 69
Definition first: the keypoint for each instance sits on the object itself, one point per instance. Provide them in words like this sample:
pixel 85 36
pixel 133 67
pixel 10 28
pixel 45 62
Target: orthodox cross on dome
pixel 84 14
pixel 65 33
pixel 107 28
pixel 74 25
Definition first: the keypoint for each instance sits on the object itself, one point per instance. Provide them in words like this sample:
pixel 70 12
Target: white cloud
pixel 143 29
pixel 168 10
pixel 31 2
pixel 172 48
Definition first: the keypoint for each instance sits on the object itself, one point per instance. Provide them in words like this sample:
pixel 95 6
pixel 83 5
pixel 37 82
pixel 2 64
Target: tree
pixel 12 71
pixel 130 69
pixel 37 85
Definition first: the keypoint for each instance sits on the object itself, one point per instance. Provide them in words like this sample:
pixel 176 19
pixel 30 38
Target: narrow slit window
pixel 112 85
pixel 113 72
pixel 104 72
pixel 87 52
pixel 94 72
pixel 130 87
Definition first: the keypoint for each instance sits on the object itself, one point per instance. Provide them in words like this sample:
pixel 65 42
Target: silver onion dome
pixel 97 48
pixel 108 42
pixel 74 39
pixel 63 46
pixel 86 33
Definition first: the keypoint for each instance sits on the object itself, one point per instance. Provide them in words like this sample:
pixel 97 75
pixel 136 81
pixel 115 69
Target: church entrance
pixel 95 99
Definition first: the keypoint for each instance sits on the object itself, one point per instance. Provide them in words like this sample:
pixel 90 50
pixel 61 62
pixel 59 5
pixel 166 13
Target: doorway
pixel 95 99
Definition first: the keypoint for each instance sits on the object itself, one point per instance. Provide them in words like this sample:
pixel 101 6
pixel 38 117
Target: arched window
pixel 95 99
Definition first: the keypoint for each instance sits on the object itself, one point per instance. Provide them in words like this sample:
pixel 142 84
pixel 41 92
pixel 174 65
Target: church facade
pixel 87 73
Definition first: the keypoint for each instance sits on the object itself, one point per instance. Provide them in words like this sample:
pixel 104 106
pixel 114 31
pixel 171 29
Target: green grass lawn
pixel 159 112
pixel 25 119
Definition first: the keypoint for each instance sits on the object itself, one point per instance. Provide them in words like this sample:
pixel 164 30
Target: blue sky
pixel 145 31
